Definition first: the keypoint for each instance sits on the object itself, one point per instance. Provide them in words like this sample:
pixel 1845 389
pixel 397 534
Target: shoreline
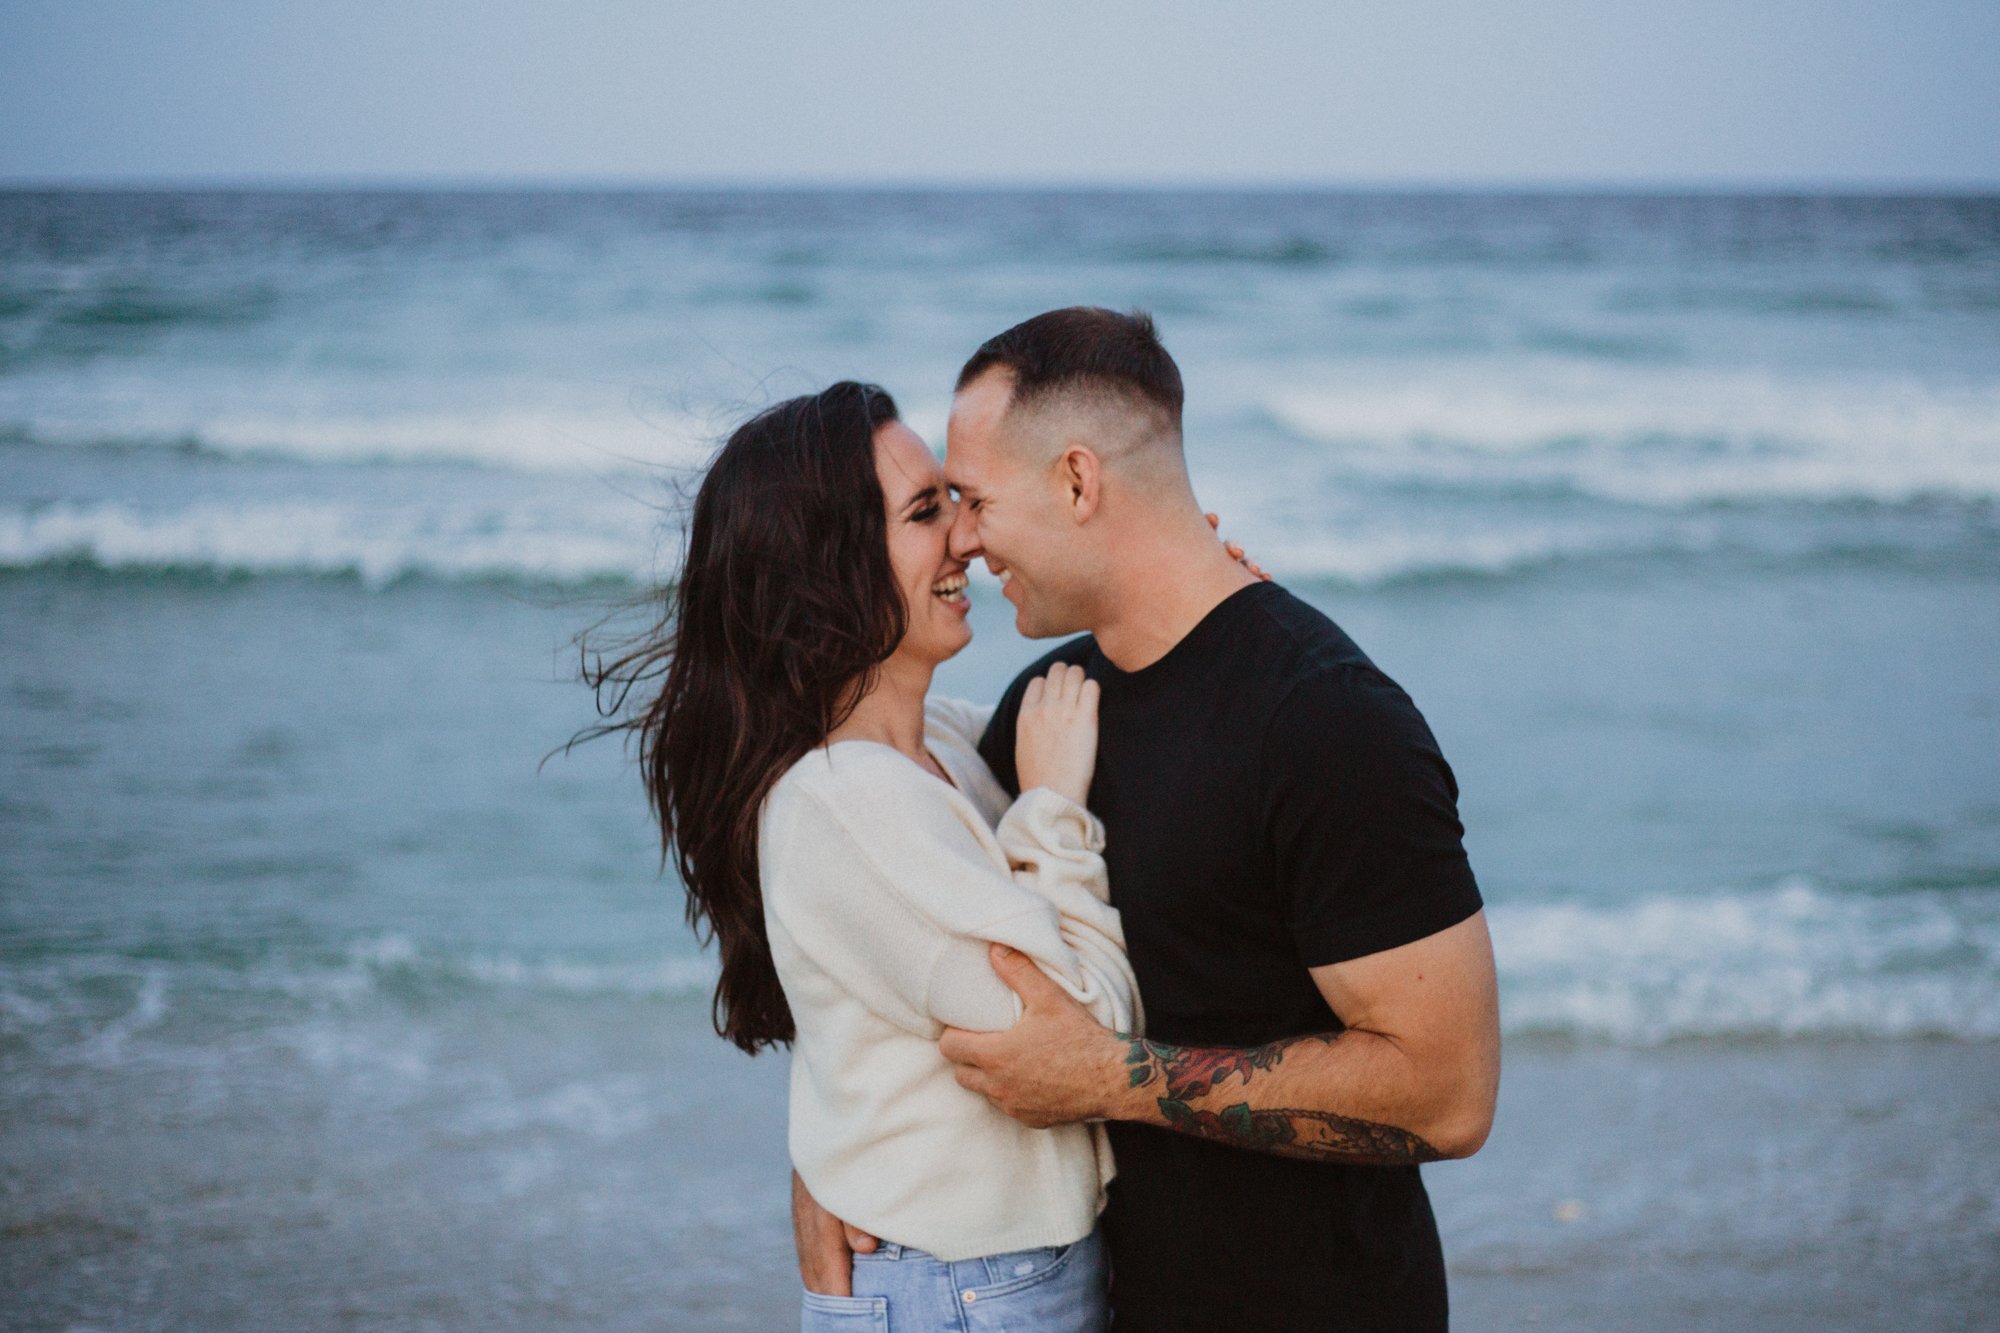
pixel 613 1164
pixel 1722 1185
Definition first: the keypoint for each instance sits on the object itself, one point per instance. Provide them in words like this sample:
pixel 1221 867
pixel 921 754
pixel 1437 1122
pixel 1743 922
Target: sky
pixel 1862 93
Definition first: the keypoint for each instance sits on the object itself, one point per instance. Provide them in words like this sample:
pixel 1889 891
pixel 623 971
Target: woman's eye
pixel 926 514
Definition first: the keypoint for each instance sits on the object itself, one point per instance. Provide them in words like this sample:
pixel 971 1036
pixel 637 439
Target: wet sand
pixel 1766 1187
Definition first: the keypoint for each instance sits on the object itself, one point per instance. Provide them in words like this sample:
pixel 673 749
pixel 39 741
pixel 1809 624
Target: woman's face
pixel 919 521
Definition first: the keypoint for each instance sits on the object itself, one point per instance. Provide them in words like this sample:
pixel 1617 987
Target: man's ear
pixel 1082 478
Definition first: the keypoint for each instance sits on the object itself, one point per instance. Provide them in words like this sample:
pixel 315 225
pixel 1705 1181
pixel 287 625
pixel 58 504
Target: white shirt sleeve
pixel 892 885
pixel 1055 848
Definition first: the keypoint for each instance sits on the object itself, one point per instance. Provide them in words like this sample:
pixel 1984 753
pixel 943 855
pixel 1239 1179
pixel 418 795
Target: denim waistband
pixel 889 1249
pixel 1048 1288
pixel 980 1268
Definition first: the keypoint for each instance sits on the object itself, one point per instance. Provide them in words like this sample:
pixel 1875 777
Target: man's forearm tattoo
pixel 1315 1135
pixel 1180 1074
pixel 1189 1071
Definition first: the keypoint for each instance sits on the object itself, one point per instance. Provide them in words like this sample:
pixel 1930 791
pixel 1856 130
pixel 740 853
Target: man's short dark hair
pixel 1083 347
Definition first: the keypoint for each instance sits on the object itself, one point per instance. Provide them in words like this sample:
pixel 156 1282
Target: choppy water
pixel 1679 517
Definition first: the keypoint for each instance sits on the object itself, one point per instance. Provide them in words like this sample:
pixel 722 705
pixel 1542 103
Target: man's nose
pixel 963 539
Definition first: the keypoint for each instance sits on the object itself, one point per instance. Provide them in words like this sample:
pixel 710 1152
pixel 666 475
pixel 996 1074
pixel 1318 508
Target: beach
pixel 334 993
pixel 629 1171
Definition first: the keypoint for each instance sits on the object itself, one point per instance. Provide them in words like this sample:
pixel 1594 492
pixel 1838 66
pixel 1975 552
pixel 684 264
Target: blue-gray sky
pixel 1857 92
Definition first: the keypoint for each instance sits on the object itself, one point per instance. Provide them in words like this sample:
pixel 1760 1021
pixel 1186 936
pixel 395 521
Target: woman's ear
pixel 1082 479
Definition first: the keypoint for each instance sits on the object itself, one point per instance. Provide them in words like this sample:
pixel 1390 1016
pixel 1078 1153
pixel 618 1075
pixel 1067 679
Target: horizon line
pixel 332 182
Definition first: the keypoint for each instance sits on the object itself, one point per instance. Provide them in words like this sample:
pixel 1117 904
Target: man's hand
pixel 1055 1066
pixel 826 1244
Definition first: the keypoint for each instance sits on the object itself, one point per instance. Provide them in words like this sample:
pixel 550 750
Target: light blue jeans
pixel 897 1289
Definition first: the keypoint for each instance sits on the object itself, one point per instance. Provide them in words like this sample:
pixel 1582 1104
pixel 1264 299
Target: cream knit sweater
pixel 882 886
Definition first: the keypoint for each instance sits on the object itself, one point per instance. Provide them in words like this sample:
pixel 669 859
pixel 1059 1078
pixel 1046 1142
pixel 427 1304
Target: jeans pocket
pixel 843 1314
pixel 1019 1268
pixel 1064 1290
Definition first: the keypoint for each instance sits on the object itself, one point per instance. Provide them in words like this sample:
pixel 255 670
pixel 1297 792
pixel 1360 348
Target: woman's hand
pixel 1235 551
pixel 826 1244
pixel 1055 738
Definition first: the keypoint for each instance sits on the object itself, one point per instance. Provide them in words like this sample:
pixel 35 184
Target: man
pixel 1283 846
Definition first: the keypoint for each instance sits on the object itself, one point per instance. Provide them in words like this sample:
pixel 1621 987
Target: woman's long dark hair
pixel 784 609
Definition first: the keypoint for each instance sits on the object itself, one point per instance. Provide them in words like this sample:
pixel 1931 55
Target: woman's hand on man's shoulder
pixel 1055 741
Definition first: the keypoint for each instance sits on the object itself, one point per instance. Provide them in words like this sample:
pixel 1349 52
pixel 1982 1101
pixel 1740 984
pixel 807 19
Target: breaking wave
pixel 1673 440
pixel 1795 961
pixel 525 439
pixel 378 545
pixel 583 535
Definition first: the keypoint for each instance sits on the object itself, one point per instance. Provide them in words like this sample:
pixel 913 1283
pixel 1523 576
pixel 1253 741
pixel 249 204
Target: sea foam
pixel 378 544
pixel 1670 437
pixel 574 537
pixel 1793 961
pixel 530 438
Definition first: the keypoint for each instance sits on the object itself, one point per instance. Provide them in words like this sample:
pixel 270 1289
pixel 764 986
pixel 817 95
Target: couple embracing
pixel 1134 1001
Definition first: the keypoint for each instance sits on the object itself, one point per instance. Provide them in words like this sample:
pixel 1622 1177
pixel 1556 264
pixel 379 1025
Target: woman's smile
pixel 951 590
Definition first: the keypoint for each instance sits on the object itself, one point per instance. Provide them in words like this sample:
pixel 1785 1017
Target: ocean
pixel 335 993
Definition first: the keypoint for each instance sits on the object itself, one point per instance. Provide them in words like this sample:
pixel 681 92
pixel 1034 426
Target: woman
pixel 853 857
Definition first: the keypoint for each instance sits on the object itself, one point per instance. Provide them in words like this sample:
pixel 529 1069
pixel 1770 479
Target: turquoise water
pixel 1680 519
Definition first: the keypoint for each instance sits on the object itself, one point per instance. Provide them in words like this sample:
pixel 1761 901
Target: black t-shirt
pixel 1272 802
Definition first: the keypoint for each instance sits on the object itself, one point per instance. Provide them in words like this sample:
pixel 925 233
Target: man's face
pixel 1012 512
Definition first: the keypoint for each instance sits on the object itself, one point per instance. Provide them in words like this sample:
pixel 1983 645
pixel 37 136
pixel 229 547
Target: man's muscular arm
pixel 1412 1078
pixel 1178 1079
